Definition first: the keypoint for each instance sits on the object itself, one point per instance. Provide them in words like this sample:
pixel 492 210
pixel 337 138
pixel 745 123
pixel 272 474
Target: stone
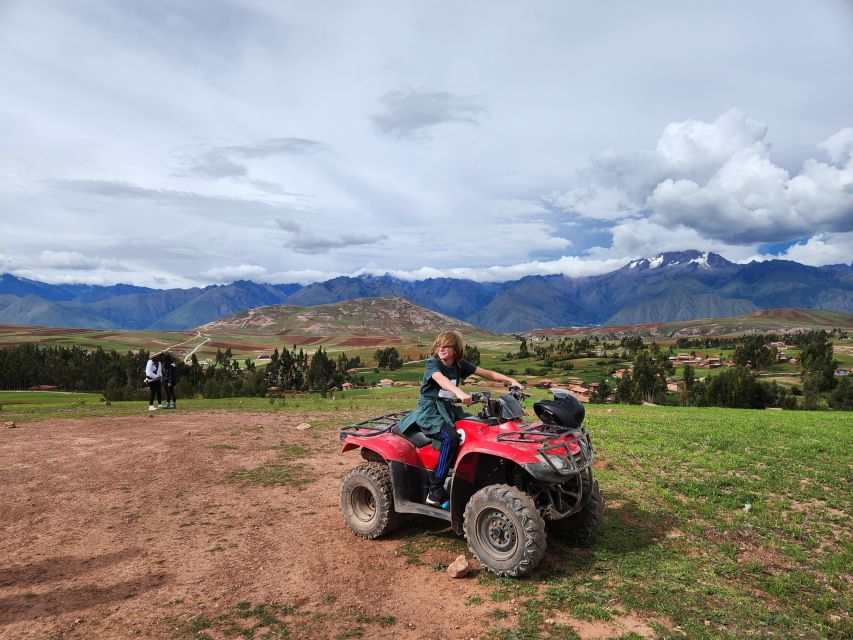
pixel 10 425
pixel 303 426
pixel 459 568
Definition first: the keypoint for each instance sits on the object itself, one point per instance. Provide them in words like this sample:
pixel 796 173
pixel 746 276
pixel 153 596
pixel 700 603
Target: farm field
pixel 221 520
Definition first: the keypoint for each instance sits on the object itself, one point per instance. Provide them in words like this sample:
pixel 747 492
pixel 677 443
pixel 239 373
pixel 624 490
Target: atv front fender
pixel 390 448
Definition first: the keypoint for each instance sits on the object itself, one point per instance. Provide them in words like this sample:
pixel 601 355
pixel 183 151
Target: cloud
pixel 67 260
pixel 215 164
pixel 839 146
pixel 309 243
pixel 275 147
pixel 410 114
pixel 223 161
pixel 820 249
pixel 571 266
pixel 247 210
pixel 716 182
pixel 240 272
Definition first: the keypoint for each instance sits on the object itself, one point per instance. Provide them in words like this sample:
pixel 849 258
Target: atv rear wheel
pixel 367 500
pixel 580 526
pixel 505 530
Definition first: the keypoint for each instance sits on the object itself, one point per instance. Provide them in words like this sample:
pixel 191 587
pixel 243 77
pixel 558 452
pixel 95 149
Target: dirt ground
pixel 125 527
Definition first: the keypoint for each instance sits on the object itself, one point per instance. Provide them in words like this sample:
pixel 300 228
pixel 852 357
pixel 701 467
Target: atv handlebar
pixel 482 396
pixel 477 396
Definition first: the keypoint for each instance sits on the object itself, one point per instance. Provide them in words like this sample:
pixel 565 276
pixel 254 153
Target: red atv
pixel 511 480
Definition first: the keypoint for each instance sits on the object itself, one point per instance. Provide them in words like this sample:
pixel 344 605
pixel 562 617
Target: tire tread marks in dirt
pixel 367 500
pixel 514 508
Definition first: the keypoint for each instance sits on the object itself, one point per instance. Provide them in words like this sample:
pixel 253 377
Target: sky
pixel 182 143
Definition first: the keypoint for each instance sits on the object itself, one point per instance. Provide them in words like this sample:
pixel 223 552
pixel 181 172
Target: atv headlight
pixel 558 462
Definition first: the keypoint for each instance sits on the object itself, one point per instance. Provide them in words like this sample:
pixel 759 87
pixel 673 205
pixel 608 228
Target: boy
pixel 436 416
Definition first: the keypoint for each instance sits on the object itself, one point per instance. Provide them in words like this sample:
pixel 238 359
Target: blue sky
pixel 183 143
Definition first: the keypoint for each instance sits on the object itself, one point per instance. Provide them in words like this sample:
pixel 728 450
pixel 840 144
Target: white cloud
pixel 820 249
pixel 67 260
pixel 839 146
pixel 240 272
pixel 168 139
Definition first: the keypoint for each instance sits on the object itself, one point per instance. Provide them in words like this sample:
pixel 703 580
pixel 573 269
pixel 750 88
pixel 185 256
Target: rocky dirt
pixel 149 526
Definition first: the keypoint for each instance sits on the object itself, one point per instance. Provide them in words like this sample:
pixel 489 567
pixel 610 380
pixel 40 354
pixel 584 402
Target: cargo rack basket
pixel 372 427
pixel 575 463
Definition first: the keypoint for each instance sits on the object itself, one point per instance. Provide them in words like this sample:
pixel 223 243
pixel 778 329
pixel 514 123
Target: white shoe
pixel 159 406
pixel 151 407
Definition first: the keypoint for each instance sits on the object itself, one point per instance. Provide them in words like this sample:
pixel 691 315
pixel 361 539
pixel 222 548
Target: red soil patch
pixel 245 346
pixel 289 339
pixel 370 342
pixel 38 331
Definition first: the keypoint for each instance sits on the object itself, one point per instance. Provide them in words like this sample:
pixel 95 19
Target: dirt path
pixel 131 527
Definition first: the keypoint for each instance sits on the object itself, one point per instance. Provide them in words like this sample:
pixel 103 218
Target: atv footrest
pixel 406 506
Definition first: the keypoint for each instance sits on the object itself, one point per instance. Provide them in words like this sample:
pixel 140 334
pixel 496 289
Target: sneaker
pixel 159 406
pixel 436 498
pixel 151 407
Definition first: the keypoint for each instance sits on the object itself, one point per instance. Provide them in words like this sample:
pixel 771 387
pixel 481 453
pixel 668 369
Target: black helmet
pixel 565 410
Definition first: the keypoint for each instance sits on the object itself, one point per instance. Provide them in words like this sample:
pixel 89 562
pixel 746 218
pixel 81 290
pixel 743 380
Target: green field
pixel 720 523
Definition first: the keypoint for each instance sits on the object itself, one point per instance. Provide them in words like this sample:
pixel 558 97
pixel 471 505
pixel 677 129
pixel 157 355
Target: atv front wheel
pixel 505 530
pixel 367 500
pixel 580 526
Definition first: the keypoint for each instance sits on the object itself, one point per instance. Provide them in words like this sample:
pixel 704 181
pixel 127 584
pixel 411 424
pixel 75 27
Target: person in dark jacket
pixel 170 378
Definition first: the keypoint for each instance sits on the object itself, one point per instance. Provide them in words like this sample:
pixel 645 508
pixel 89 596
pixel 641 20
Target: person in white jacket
pixel 153 376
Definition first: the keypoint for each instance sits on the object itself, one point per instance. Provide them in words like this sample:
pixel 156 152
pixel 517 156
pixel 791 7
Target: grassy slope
pixel 678 544
pixel 767 321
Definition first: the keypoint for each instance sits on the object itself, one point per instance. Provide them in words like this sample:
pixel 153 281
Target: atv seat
pixel 489 421
pixel 413 435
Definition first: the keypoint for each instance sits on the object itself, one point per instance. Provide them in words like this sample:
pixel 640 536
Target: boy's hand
pixel 464 398
pixel 515 383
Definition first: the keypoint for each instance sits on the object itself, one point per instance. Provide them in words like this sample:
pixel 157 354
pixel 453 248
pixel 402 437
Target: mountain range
pixel 669 287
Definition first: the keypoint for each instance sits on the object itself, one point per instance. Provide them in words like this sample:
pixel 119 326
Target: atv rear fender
pixel 388 448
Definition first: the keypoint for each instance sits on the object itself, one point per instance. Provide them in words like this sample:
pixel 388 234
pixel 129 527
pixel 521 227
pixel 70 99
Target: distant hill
pixel 360 317
pixel 674 286
pixel 767 321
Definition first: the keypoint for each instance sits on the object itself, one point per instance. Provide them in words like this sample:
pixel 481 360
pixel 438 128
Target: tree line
pixel 739 386
pixel 119 376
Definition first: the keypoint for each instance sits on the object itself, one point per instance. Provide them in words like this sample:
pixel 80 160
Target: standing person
pixel 435 416
pixel 153 375
pixel 170 377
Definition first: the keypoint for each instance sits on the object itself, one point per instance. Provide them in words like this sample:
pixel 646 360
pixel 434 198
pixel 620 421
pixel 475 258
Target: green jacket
pixel 433 411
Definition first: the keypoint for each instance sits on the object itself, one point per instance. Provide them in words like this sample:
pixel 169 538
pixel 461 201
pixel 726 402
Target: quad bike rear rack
pixel 372 427
pixel 575 462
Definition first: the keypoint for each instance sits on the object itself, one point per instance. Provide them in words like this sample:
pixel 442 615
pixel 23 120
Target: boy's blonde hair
pixel 449 339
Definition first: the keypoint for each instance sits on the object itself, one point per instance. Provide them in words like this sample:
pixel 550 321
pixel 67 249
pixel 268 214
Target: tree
pixel 842 398
pixel 388 358
pixel 817 362
pixel 689 378
pixel 522 350
pixel 754 351
pixel 602 392
pixel 625 390
pixel 650 369
pixel 472 354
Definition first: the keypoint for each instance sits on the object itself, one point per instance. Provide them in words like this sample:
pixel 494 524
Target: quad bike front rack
pixel 372 427
pixel 575 462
